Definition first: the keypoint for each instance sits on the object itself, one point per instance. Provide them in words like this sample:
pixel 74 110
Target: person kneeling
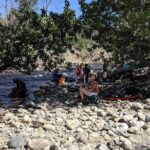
pixel 20 91
pixel 91 90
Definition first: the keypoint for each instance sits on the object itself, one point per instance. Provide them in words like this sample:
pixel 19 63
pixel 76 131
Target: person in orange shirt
pixel 91 90
pixel 61 81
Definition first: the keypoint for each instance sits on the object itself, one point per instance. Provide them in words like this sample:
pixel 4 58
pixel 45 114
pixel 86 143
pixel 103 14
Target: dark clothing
pixel 86 71
pixel 20 90
pixel 56 76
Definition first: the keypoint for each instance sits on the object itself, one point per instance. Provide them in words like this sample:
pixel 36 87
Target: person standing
pixel 86 72
pixel 79 73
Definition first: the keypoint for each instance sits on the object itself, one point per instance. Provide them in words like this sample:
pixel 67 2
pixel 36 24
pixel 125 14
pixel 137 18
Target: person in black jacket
pixel 86 72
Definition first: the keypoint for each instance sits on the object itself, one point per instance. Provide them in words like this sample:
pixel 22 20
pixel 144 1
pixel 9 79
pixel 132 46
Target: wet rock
pixel 147 118
pixel 136 106
pixel 38 144
pixel 17 142
pixel 102 147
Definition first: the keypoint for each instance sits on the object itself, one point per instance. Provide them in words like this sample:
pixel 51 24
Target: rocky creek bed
pixel 50 120
pixel 107 126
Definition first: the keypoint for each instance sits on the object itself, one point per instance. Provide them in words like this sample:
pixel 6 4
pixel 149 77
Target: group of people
pixel 88 81
pixel 89 86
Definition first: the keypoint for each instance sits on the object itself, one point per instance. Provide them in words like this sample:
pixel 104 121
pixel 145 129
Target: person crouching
pixel 91 89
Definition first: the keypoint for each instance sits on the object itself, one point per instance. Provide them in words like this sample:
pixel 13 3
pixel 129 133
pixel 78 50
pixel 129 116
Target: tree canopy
pixel 119 26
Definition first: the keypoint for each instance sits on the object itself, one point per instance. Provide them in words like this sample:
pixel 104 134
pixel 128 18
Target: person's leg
pixel 84 79
pixel 83 92
pixel 87 78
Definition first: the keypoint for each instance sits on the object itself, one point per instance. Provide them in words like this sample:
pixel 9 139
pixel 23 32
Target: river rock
pixel 26 119
pixel 15 124
pixel 38 144
pixel 53 147
pixel 39 112
pixel 127 118
pixel 102 147
pixel 136 106
pixel 17 142
pixel 2 112
pixel 74 146
pixel 1 144
pixel 106 127
pixel 101 113
pixel 127 145
pixel 99 125
pixel 22 111
pixel 8 116
pixel 141 116
pixel 147 118
pixel 94 136
pixel 138 124
pixel 122 127
pixel 133 130
pixel 49 127
pixel 72 124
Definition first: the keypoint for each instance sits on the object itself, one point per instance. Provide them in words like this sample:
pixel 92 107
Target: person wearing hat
pixel 91 90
